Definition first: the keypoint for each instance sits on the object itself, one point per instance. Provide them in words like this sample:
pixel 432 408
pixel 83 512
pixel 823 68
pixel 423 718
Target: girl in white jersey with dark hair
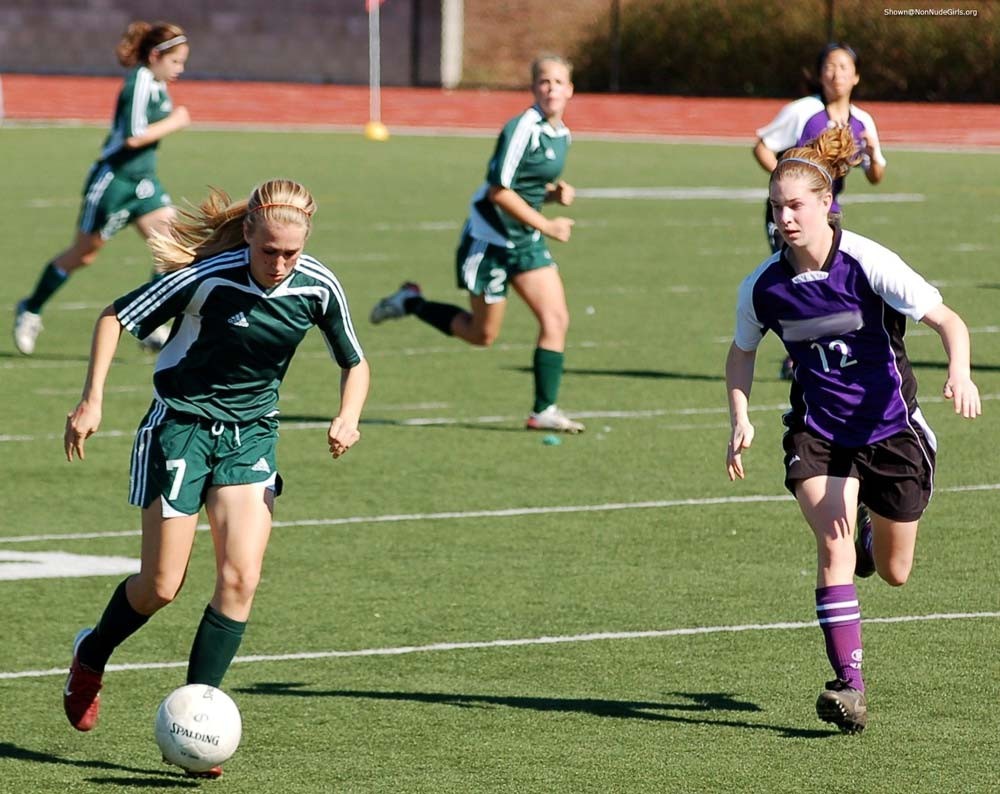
pixel 242 294
pixel 122 186
pixel 855 434
pixel 802 121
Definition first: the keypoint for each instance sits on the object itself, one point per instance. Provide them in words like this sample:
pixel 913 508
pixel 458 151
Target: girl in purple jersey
pixel 839 303
pixel 802 121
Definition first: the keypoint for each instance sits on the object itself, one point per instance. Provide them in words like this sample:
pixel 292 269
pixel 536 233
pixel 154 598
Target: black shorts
pixel 896 473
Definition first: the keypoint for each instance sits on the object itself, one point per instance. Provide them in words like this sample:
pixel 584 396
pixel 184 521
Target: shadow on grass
pixel 690 705
pixel 501 426
pixel 84 357
pixel 658 374
pixel 943 365
pixel 150 778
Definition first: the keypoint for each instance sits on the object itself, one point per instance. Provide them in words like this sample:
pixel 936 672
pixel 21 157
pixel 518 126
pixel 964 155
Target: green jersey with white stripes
pixel 530 153
pixel 232 341
pixel 143 100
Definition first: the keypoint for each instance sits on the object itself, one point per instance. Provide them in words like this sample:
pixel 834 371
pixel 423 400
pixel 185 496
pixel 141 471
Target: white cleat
pixel 156 340
pixel 27 327
pixel 392 307
pixel 553 419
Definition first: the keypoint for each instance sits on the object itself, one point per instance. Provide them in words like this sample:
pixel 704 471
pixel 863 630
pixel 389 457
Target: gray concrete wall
pixel 323 41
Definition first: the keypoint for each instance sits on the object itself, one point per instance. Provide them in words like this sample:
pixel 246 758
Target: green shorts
pixel 484 269
pixel 111 201
pixel 177 457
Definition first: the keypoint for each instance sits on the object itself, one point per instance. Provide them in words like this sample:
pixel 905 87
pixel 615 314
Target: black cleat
pixel 844 706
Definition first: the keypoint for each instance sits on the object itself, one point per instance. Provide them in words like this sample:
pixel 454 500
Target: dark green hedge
pixel 768 48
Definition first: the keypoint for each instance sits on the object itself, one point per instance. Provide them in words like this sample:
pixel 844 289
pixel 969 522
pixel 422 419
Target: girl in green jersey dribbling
pixel 242 294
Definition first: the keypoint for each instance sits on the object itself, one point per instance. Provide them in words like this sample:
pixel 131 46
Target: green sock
pixel 52 279
pixel 119 622
pixel 548 368
pixel 215 644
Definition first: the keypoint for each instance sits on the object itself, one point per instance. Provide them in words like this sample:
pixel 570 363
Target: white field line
pixel 508 512
pixel 437 421
pixel 458 349
pixel 749 194
pixel 514 643
pixel 983 329
pixel 401 131
pixel 425 421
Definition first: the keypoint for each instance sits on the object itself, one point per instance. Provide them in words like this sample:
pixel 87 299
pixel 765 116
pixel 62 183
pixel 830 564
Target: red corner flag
pixel 368 4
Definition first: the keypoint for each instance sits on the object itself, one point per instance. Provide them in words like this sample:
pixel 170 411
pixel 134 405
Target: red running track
pixel 91 99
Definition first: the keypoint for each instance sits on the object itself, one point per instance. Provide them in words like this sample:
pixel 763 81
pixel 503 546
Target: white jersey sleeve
pixel 784 131
pixel 749 330
pixel 871 134
pixel 894 281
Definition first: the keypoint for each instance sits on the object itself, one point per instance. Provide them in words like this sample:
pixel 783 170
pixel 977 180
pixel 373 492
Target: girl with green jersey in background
pixel 122 186
pixel 503 244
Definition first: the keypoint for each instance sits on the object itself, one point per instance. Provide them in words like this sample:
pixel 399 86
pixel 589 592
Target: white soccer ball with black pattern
pixel 198 727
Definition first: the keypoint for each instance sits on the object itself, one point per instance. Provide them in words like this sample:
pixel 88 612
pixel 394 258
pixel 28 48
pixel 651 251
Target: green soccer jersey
pixel 530 153
pixel 143 100
pixel 232 341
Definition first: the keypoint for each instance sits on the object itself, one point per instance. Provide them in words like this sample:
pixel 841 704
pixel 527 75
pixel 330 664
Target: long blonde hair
pixel 828 157
pixel 219 224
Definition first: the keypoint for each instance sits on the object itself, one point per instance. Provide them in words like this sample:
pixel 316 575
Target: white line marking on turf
pixel 507 512
pixel 984 329
pixel 516 643
pixel 434 421
pixel 724 193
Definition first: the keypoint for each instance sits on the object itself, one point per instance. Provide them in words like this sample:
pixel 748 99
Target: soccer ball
pixel 197 727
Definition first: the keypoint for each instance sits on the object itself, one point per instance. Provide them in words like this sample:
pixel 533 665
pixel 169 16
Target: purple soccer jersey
pixel 843 326
pixel 801 122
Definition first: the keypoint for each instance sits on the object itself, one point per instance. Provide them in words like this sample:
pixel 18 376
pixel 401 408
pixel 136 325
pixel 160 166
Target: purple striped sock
pixel 840 618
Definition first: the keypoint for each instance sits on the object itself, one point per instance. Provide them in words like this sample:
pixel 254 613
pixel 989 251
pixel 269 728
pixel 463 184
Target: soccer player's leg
pixel 826 503
pixel 541 287
pixel 864 565
pixel 897 489
pixel 239 506
pixel 28 313
pixel 153 214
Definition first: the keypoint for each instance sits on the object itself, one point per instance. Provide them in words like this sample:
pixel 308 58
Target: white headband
pixel 170 43
pixel 817 166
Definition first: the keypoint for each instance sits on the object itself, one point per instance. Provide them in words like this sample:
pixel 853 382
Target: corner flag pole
pixel 375 130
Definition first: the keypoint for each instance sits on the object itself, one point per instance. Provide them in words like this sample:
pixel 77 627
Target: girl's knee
pixel 482 337
pixel 238 584
pixel 895 575
pixel 149 596
pixel 555 323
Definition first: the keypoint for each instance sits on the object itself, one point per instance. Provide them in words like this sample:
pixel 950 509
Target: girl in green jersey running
pixel 122 186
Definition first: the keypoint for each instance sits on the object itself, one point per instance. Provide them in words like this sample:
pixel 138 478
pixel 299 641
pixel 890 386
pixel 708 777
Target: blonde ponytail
pixel 829 156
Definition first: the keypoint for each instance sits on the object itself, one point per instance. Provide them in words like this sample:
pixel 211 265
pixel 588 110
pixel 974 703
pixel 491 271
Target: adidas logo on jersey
pixel 239 320
pixel 261 465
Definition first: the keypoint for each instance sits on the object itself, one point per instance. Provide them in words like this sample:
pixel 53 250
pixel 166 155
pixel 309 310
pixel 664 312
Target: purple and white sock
pixel 840 619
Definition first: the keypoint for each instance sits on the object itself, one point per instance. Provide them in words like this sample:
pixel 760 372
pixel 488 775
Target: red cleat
pixel 81 696
pixel 209 774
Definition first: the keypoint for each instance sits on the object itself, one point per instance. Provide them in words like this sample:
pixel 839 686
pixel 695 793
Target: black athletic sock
pixel 438 315
pixel 119 622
